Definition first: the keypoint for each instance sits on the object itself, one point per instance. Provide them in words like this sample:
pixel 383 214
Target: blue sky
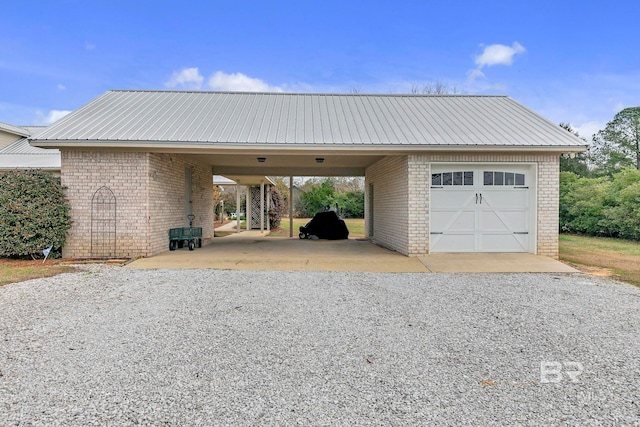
pixel 574 62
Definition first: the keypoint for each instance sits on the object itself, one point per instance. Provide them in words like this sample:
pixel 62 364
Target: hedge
pixel 601 206
pixel 34 214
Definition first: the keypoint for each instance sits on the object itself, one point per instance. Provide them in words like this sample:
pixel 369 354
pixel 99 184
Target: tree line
pixel 600 189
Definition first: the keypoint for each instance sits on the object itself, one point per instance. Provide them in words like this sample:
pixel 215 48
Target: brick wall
pixel 548 205
pixel 391 200
pixel 167 198
pixel 84 173
pixel 401 192
pixel 419 184
pixel 149 191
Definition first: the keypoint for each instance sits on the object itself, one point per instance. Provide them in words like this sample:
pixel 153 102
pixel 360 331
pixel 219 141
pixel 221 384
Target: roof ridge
pixel 416 95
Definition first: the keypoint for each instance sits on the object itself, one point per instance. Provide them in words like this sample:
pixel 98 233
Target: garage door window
pixel 503 178
pixel 452 178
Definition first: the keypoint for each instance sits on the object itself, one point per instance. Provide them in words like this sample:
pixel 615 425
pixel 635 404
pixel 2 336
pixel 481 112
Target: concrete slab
pixel 493 263
pixel 251 250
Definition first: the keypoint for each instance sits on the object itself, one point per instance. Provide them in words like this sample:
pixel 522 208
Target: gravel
pixel 110 345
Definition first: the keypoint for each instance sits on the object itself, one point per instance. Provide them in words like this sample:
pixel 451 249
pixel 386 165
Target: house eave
pixel 227 148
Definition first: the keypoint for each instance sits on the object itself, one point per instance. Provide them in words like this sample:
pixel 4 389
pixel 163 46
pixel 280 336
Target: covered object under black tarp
pixel 325 225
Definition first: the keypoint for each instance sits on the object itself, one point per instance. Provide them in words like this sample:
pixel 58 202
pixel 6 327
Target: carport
pixel 136 162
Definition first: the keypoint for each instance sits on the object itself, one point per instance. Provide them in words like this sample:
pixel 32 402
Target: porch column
pixel 261 207
pixel 247 209
pixel 290 205
pixel 237 207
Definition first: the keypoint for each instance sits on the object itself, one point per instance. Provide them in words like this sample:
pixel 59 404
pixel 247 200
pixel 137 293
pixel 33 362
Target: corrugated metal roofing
pixel 292 119
pixel 14 129
pixel 21 155
pixel 22 146
pixel 33 130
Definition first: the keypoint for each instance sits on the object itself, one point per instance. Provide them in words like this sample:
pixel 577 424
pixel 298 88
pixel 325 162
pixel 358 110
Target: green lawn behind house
pixel 355 226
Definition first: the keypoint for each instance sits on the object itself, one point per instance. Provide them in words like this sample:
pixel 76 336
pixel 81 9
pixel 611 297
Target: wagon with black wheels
pixel 191 236
pixel 181 236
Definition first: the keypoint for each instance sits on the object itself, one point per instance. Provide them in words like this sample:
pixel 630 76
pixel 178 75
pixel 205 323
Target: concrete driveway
pixel 251 250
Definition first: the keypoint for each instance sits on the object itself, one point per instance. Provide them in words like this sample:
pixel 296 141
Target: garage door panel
pixel 504 242
pixel 505 199
pixel 453 242
pixel 442 199
pixel 452 221
pixel 503 220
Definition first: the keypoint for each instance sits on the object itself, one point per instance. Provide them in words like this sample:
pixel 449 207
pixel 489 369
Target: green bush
pixel 605 206
pixel 33 214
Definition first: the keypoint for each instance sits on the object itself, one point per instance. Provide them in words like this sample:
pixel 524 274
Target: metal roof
pixel 230 119
pixel 21 155
pixel 17 130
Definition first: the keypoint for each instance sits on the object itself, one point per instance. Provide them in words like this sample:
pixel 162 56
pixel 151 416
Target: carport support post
pixel 290 205
pixel 262 207
pixel 238 207
pixel 247 209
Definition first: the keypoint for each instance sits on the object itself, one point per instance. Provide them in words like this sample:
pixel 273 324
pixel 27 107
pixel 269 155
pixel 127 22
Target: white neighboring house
pixel 17 154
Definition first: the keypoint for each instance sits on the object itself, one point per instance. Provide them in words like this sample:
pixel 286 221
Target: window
pixel 452 178
pixel 503 178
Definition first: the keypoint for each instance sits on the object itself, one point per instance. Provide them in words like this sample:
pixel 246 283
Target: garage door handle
pixel 480 198
pixel 476 198
pixel 520 232
pixel 436 232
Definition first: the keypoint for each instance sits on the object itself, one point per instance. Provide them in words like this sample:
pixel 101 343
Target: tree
pixel 618 145
pixel 576 163
pixel 317 198
pixel 434 88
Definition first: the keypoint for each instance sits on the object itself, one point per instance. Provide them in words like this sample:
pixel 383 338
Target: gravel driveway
pixel 110 345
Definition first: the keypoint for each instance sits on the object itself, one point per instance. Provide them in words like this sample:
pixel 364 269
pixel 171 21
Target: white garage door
pixel 482 208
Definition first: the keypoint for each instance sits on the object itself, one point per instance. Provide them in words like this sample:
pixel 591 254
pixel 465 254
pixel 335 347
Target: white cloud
pixel 51 117
pixel 240 82
pixel 498 54
pixel 588 129
pixel 61 87
pixel 55 115
pixel 474 74
pixel 187 78
pixel 494 54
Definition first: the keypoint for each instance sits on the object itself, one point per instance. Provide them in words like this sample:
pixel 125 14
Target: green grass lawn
pixel 619 258
pixel 355 226
pixel 12 271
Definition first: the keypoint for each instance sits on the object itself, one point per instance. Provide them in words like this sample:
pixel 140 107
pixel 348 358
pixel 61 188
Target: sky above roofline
pixel 571 62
